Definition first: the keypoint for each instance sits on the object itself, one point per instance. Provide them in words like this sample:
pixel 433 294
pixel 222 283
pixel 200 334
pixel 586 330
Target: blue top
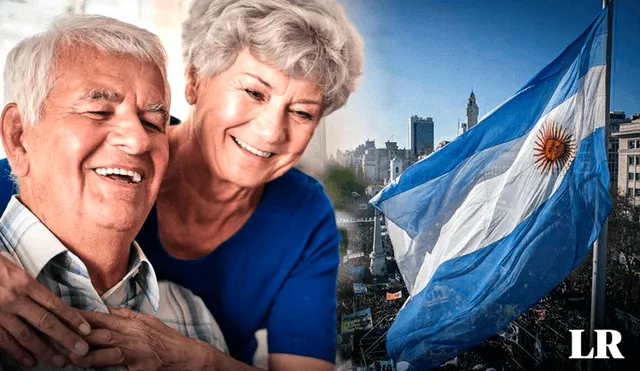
pixel 277 272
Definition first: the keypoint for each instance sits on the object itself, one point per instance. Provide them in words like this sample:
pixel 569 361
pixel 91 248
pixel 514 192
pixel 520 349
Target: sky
pixel 424 57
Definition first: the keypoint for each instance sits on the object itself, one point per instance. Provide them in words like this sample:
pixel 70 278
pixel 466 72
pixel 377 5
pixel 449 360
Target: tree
pixel 342 185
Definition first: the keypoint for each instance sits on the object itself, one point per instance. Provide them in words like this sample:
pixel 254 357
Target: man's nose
pixel 130 136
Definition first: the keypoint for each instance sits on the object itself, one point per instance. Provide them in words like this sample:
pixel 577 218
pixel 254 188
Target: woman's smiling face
pixel 253 121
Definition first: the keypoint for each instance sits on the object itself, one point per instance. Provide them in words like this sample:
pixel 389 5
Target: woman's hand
pixel 139 342
pixel 25 305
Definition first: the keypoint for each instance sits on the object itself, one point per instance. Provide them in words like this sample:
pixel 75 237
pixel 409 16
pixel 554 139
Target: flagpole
pixel 600 246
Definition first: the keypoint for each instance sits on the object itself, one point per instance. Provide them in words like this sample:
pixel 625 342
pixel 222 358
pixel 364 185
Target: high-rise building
pixel 615 119
pixel 629 157
pixel 472 111
pixel 369 162
pixel 420 135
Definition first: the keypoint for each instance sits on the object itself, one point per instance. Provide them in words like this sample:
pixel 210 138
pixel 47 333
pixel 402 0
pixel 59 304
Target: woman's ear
pixel 191 85
pixel 12 132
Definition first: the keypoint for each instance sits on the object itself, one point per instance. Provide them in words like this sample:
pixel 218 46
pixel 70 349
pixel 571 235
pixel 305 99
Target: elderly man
pixel 84 132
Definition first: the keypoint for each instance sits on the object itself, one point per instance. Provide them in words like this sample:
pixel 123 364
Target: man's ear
pixel 190 89
pixel 12 131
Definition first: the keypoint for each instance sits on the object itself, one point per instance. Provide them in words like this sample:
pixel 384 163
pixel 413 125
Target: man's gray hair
pixel 306 39
pixel 30 66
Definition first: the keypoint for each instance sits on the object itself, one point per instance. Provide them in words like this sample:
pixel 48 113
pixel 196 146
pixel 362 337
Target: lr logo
pixel 601 345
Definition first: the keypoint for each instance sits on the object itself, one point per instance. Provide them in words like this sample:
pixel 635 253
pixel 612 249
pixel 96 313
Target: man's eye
pixel 254 94
pixel 99 113
pixel 152 126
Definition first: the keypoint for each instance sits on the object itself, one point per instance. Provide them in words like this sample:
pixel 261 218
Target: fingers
pixel 105 353
pixel 57 306
pixel 25 337
pixel 51 326
pixel 105 320
pixel 100 358
pixel 15 350
pixel 112 347
pixel 103 338
pixel 23 296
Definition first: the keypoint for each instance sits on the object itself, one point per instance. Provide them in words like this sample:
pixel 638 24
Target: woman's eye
pixel 254 94
pixel 304 115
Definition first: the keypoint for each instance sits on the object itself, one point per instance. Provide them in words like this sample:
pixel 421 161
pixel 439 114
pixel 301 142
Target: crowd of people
pixel 529 343
pixel 374 298
pixel 383 311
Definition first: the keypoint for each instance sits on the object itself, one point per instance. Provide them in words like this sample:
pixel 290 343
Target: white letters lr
pixel 601 345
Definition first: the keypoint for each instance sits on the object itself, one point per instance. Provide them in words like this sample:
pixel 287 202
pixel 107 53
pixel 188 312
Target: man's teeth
pixel 253 150
pixel 134 176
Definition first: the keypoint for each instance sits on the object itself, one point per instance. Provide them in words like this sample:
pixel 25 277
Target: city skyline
pixel 425 58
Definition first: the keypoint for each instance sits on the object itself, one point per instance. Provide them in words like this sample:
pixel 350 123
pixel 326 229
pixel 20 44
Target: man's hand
pixel 26 306
pixel 138 342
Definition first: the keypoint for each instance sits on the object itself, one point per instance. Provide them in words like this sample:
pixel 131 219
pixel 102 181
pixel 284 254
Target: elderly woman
pixel 234 222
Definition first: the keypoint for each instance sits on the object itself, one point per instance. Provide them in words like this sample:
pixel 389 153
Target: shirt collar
pixel 142 271
pixel 31 241
pixel 35 245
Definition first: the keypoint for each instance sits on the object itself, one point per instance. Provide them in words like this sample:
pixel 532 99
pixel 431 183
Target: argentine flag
pixel 485 227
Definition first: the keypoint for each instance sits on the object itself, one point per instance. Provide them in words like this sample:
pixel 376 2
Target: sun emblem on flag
pixel 554 148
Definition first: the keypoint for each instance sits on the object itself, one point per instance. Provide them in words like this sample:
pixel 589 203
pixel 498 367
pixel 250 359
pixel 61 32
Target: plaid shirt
pixel 28 243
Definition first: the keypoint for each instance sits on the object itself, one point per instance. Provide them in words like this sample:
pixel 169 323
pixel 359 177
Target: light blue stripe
pixel 474 296
pixel 553 85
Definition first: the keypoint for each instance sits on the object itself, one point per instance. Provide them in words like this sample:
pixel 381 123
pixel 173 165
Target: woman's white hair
pixel 307 39
pixel 30 65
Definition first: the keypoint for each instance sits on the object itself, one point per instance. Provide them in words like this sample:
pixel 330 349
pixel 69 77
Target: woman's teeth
pixel 253 150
